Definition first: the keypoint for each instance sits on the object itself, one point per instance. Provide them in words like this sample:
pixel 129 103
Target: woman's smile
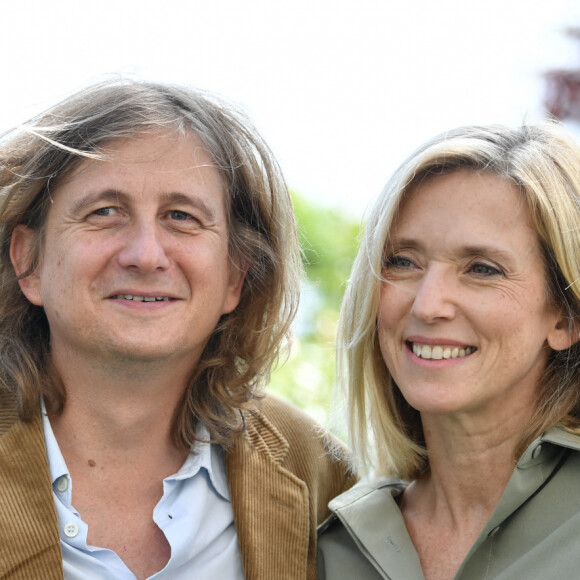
pixel 463 319
pixel 439 351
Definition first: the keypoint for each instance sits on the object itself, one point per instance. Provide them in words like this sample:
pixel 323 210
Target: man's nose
pixel 435 296
pixel 144 248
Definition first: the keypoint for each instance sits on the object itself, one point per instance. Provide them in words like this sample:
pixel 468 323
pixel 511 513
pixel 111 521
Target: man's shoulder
pixel 284 414
pixel 293 423
pixel 304 439
pixel 284 443
pixel 9 415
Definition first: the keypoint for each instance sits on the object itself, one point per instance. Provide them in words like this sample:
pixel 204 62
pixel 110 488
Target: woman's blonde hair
pixel 543 162
pixel 261 236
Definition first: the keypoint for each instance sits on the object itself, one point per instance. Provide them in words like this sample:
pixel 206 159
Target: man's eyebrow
pixel 181 199
pixel 91 198
pixel 116 196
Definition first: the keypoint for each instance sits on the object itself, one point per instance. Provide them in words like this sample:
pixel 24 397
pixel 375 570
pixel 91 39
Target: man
pixel 149 274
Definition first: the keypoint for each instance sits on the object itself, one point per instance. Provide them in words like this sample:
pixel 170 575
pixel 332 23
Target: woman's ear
pixel 21 255
pixel 565 333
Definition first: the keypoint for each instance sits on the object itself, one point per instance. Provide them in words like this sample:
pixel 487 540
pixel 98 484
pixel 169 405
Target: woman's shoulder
pixel 365 536
pixel 365 502
pixel 367 491
pixel 560 435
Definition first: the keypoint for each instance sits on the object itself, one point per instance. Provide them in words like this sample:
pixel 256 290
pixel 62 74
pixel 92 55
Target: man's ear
pixel 565 333
pixel 21 254
pixel 237 275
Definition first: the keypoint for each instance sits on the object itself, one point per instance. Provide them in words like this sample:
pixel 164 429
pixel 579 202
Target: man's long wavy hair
pixel 542 161
pixel 239 355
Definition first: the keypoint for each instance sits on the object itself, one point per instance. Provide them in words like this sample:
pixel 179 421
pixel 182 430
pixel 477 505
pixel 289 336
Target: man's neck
pixel 118 405
pixel 118 451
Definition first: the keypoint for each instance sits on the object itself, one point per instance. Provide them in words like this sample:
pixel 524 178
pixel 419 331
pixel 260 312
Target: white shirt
pixel 195 514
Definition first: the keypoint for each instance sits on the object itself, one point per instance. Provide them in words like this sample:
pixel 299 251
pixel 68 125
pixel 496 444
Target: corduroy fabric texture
pixel 282 472
pixel 29 539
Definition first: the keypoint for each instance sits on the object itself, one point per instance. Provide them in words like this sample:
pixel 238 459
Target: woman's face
pixel 464 323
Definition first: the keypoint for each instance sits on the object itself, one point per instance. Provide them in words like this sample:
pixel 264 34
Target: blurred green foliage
pixel 329 241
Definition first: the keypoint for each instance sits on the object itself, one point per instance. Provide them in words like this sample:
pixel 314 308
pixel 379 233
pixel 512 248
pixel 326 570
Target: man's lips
pixel 142 298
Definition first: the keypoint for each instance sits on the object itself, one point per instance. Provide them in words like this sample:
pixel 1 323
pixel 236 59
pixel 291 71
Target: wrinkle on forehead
pixel 154 147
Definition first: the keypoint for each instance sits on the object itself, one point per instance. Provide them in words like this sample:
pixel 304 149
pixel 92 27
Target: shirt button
pixel 536 452
pixel 62 483
pixel 71 530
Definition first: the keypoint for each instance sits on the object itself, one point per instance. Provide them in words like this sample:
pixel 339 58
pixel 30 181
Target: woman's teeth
pixel 437 352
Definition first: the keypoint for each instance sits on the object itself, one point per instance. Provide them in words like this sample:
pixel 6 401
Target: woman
pixel 458 346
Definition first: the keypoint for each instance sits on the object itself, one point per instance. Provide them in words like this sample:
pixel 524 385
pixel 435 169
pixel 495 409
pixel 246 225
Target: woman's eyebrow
pixel 394 242
pixel 484 249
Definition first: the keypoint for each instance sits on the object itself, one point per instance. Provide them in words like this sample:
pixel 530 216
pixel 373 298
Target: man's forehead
pixel 163 156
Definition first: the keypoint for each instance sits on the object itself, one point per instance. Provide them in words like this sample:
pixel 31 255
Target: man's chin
pixel 136 355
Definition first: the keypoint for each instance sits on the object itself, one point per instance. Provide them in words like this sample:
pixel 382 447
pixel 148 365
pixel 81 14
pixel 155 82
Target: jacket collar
pixel 270 503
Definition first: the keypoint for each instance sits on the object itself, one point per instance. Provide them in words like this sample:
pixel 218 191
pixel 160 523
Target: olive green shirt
pixel 534 532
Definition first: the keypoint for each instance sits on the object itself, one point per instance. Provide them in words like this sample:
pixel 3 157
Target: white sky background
pixel 342 91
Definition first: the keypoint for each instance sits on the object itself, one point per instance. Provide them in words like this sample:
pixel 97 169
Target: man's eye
pixel 105 211
pixel 180 215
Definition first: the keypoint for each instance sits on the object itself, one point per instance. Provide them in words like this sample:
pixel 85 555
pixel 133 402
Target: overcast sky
pixel 342 91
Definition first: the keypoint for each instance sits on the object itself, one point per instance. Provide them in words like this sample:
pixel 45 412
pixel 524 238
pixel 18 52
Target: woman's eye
pixel 398 262
pixel 105 211
pixel 485 270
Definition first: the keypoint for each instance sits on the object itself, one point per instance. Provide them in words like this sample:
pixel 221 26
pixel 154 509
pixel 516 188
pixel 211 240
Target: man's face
pixel 135 261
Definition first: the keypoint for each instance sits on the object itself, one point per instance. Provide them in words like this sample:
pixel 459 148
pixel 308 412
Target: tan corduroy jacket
pixel 282 472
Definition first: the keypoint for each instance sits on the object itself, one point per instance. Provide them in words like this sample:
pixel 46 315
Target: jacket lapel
pixel 28 524
pixel 270 504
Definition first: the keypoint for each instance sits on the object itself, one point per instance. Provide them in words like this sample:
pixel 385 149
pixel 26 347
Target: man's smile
pixel 137 298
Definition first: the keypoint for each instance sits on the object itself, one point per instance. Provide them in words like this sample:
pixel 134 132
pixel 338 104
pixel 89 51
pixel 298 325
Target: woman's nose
pixel 435 296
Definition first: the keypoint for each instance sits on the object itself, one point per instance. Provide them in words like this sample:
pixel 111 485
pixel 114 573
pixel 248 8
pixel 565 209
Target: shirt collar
pixel 56 464
pixel 203 455
pixel 547 445
pixel 208 456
